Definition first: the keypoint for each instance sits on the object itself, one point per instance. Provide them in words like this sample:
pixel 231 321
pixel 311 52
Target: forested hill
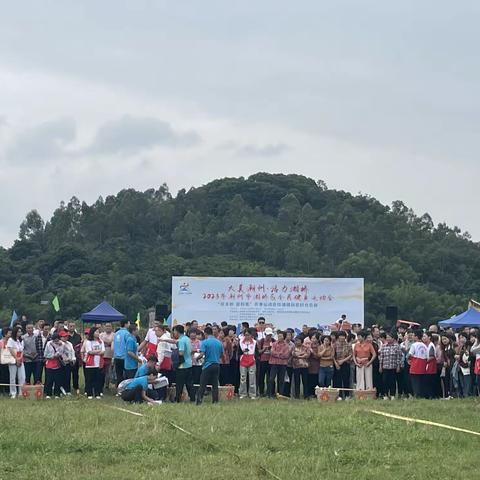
pixel 126 247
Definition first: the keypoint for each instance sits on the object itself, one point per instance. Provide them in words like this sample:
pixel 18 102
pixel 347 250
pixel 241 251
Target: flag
pixel 168 321
pixel 14 318
pixel 137 322
pixel 56 304
pixel 239 329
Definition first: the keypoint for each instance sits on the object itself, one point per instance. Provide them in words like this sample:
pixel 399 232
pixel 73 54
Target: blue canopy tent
pixel 470 318
pixel 102 313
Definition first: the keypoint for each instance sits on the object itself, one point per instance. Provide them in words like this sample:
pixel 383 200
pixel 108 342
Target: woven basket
pixel 326 394
pixel 32 392
pixel 226 393
pixel 365 394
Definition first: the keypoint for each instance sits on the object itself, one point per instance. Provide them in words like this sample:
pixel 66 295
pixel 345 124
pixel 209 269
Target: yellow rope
pixel 424 422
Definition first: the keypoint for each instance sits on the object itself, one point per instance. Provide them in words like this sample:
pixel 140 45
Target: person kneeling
pixel 157 390
pixel 136 390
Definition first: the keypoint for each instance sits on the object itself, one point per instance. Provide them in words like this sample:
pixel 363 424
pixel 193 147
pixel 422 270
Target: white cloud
pixel 129 135
pixel 42 142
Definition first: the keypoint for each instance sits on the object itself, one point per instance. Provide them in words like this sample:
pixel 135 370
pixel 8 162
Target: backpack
pixel 175 359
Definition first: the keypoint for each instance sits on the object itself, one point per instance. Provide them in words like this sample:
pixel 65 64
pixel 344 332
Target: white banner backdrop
pixel 284 302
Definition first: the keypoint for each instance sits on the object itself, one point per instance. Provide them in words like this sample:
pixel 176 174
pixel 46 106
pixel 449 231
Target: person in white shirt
pixel 38 328
pixel 17 369
pixel 164 351
pixel 68 360
pixel 94 350
pixel 149 346
pixel 417 357
pixel 341 321
pixel 260 326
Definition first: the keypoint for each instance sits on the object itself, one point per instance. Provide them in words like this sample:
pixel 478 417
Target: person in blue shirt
pixel 211 350
pixel 131 353
pixel 184 371
pixel 136 390
pixel 150 366
pixel 119 350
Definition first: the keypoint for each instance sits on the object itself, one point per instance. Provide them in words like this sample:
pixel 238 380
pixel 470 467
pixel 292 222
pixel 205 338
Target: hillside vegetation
pixel 126 247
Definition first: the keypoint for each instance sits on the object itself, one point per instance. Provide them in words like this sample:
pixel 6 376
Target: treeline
pixel 125 248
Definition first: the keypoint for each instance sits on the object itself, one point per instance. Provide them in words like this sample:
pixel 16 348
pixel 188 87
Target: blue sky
pixel 373 96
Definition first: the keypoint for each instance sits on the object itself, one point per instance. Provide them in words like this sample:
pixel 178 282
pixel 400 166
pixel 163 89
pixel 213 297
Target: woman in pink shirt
pixel 279 354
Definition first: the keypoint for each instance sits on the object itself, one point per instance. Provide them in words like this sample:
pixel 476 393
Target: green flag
pixel 56 304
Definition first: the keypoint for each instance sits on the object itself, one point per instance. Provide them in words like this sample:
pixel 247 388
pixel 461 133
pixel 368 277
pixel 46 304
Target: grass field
pixel 82 439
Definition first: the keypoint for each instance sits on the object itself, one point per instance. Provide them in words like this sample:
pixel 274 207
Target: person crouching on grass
pixel 136 390
pixel 152 367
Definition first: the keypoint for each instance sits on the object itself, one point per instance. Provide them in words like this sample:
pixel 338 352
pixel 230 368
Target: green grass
pixel 81 439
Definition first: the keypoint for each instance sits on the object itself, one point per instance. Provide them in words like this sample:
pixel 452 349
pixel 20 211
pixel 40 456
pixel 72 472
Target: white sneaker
pixel 242 397
pixel 385 397
pixel 56 397
pixel 339 399
pixel 13 396
pixel 90 398
pixel 392 398
pixel 101 394
pixel 47 397
pixel 98 397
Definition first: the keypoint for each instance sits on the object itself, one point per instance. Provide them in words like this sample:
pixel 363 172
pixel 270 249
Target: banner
pixel 284 302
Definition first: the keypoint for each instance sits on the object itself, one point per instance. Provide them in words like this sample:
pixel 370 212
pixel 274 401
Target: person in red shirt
pixel 279 354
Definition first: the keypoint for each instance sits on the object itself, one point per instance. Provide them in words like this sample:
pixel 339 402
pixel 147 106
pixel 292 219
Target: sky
pixel 373 96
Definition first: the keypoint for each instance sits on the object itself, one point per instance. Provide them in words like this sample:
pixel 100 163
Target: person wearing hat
pixel 264 346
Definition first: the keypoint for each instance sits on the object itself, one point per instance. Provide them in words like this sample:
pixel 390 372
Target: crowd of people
pixel 257 361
